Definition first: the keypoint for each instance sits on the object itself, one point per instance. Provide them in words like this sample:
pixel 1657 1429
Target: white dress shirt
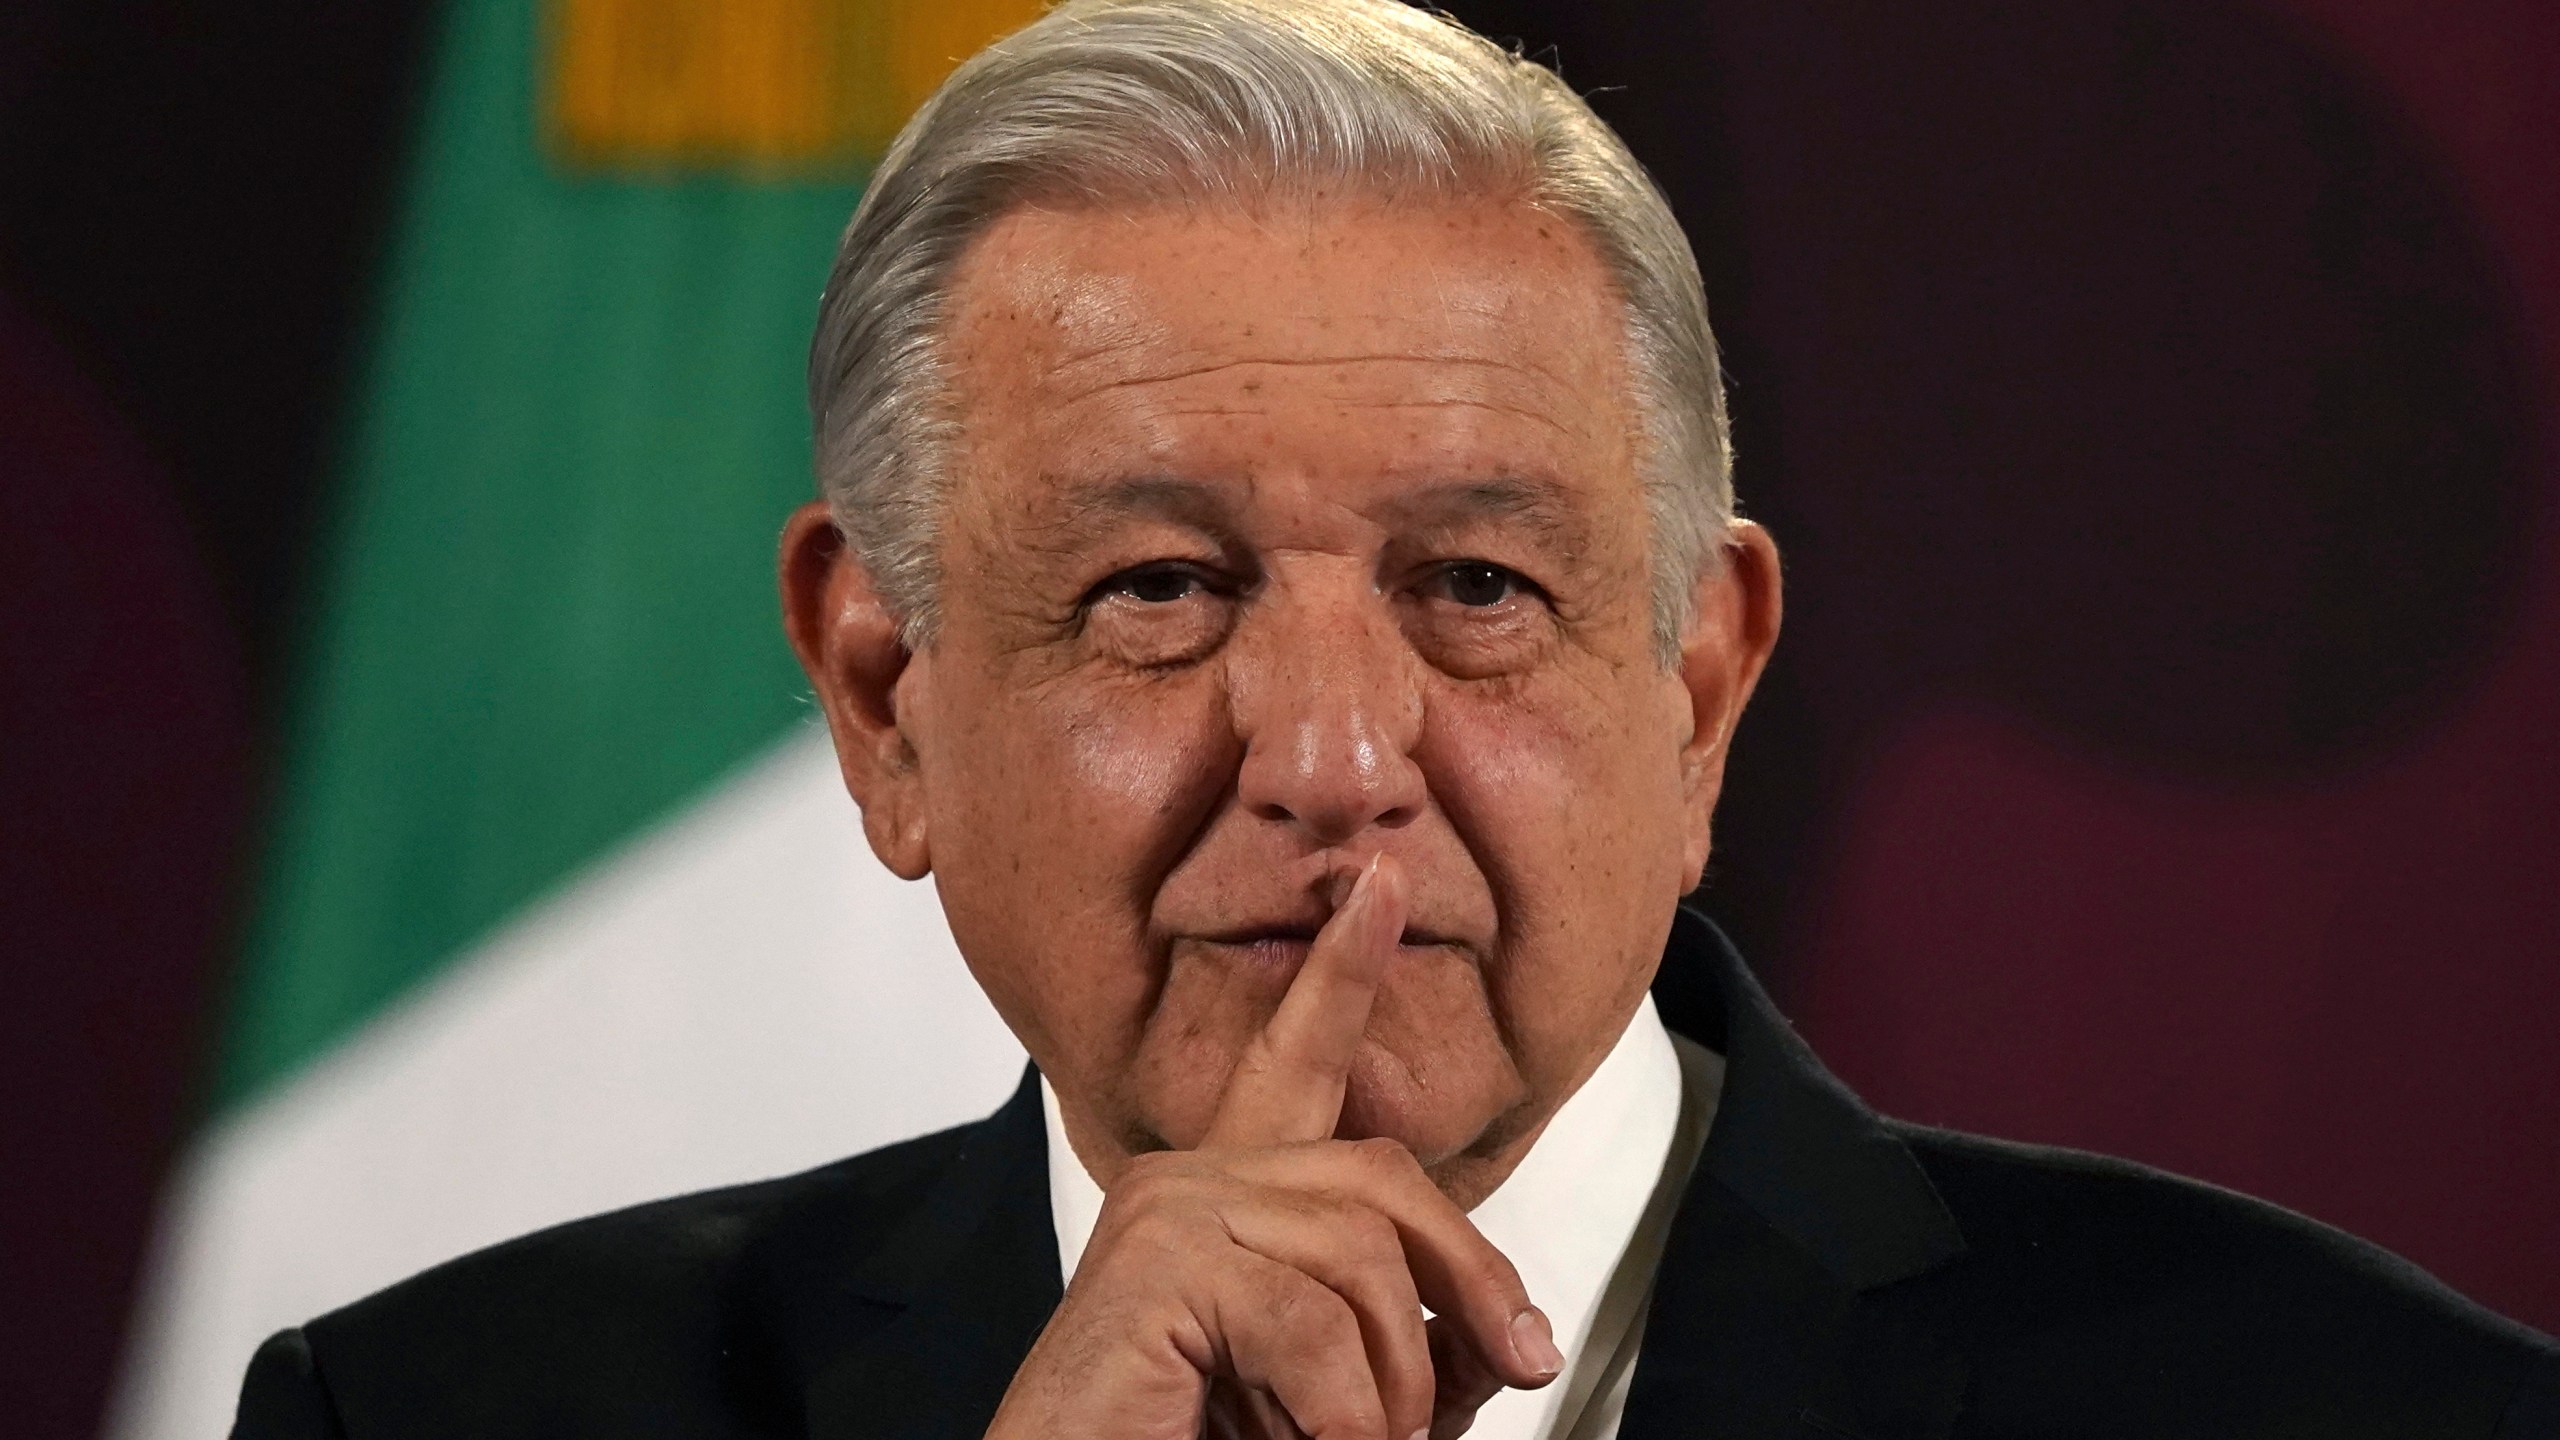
pixel 1566 1217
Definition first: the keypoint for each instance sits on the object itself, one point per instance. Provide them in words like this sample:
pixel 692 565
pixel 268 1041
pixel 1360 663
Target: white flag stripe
pixel 742 992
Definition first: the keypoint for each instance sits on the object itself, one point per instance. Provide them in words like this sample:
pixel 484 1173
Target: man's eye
pixel 1159 614
pixel 1152 584
pixel 1478 584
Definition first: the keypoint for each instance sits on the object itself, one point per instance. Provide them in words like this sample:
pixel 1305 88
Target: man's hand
pixel 1271 1282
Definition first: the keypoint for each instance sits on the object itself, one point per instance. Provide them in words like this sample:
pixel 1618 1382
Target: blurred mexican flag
pixel 564 907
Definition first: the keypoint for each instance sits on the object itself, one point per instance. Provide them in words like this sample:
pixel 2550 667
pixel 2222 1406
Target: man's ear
pixel 849 642
pixel 1731 632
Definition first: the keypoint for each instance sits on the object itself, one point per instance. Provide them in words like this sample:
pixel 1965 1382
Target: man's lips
pixel 1293 939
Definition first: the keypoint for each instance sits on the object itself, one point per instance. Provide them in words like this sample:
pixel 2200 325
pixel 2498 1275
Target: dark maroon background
pixel 2154 398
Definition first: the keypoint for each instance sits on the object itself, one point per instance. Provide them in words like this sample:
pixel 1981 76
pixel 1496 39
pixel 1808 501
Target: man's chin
pixel 1442 1106
pixel 1457 1112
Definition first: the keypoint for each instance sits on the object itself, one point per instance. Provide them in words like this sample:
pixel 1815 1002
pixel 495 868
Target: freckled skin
pixel 1277 540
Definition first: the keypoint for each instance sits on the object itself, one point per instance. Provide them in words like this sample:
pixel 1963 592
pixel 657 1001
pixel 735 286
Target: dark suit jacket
pixel 1830 1274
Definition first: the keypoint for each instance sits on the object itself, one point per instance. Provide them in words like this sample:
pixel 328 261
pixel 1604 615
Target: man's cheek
pixel 1188 1042
pixel 1138 773
pixel 1518 781
pixel 1501 766
pixel 1143 757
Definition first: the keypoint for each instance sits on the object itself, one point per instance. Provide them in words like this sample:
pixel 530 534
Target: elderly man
pixel 1278 573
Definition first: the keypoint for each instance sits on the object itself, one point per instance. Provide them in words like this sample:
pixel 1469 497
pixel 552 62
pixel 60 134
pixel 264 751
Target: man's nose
pixel 1329 709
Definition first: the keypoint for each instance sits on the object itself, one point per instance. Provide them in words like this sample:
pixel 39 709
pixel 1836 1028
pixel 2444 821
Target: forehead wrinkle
pixel 1517 412
pixel 1438 403
pixel 1280 362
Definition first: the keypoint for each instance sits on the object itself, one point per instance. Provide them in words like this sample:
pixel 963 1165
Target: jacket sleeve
pixel 283 1398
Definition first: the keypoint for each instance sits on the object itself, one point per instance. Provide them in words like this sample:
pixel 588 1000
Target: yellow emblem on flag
pixel 754 84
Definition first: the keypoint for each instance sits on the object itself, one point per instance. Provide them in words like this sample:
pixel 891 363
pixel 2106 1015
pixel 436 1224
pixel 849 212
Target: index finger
pixel 1288 1084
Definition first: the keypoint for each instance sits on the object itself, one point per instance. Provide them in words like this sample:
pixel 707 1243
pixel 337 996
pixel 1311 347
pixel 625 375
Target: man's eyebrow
pixel 1085 507
pixel 1544 506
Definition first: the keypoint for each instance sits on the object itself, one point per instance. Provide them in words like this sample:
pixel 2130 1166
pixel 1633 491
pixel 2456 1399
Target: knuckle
pixel 1131 1259
pixel 1363 1422
pixel 1336 1416
pixel 1387 1165
pixel 1369 1235
pixel 1152 1230
pixel 1384 1155
pixel 1315 1317
pixel 1502 1280
pixel 1154 1168
pixel 1154 1183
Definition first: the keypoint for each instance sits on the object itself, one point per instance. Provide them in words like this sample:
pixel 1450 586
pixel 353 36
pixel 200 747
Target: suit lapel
pixel 969 1279
pixel 1765 1319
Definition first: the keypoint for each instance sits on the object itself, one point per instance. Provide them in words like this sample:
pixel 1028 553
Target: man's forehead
pixel 1083 299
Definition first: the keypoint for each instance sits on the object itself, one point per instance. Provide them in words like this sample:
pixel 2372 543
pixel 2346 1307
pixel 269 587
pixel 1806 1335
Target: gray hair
pixel 1121 101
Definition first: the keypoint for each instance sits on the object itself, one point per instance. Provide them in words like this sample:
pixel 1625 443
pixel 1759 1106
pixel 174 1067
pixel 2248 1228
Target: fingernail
pixel 1367 882
pixel 1362 902
pixel 1422 1434
pixel 1535 1344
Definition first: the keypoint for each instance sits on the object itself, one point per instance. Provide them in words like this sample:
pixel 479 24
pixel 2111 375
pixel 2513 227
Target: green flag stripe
pixel 549 615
